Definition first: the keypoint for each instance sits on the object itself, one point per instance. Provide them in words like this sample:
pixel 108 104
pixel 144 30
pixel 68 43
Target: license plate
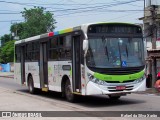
pixel 120 87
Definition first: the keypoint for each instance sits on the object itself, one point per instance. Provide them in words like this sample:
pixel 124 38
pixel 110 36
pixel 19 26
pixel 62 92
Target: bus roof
pixel 81 27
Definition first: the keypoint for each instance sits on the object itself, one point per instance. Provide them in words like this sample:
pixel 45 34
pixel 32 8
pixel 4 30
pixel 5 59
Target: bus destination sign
pixel 114 29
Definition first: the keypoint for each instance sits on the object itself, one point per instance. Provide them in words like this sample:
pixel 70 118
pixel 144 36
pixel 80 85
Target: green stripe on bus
pixel 14 53
pixel 71 72
pixel 119 78
pixel 66 31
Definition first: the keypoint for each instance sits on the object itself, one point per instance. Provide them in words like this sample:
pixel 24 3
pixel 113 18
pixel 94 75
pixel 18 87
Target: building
pixel 151 21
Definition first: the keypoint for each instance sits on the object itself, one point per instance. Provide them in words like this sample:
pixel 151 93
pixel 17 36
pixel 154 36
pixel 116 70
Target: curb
pixel 151 91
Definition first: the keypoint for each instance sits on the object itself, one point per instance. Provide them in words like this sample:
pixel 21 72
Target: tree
pixel 18 29
pixel 7 52
pixel 5 38
pixel 37 21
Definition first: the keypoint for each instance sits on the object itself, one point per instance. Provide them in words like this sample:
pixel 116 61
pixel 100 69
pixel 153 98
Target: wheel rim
pixel 30 86
pixel 68 91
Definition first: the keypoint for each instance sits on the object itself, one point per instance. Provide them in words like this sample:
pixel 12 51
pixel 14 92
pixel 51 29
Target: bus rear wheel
pixel 31 85
pixel 114 97
pixel 68 92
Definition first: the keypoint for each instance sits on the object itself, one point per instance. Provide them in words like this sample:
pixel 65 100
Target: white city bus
pixel 91 59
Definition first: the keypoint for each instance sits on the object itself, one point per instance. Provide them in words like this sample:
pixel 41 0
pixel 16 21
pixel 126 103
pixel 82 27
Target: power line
pixel 88 9
pixel 10 20
pixel 97 8
pixel 52 4
pixel 101 10
pixel 98 13
pixel 122 16
pixel 8 13
pixel 72 9
pixel 128 4
pixel 16 3
pixel 82 8
pixel 115 11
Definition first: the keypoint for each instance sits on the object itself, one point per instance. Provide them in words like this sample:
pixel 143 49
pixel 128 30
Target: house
pixel 151 22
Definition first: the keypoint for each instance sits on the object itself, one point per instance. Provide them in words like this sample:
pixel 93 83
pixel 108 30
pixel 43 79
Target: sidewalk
pixel 150 91
pixel 7 74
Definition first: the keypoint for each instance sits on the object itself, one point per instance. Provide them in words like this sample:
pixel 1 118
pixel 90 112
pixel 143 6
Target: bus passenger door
pixel 43 66
pixel 22 52
pixel 76 69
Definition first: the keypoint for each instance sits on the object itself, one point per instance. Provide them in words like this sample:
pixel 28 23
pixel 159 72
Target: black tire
pixel 31 85
pixel 68 92
pixel 114 97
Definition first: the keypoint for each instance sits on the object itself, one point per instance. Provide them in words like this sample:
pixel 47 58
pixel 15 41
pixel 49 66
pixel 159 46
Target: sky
pixel 70 13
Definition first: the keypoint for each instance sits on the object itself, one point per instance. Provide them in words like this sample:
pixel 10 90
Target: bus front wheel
pixel 31 85
pixel 68 92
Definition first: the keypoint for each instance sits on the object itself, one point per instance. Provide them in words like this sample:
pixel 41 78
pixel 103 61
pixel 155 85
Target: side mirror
pixel 85 45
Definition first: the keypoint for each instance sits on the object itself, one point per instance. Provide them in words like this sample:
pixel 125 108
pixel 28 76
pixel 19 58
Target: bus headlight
pixel 140 79
pixel 95 80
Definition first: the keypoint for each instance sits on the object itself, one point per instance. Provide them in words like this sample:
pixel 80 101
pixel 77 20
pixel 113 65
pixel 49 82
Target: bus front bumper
pixel 95 89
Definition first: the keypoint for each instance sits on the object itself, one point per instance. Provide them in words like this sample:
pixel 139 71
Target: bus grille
pixel 120 82
pixel 113 88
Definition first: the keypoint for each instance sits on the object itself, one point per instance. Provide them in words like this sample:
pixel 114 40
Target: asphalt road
pixel 131 102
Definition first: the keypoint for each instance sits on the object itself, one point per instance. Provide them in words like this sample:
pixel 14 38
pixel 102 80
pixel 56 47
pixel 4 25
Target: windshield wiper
pixel 107 52
pixel 105 45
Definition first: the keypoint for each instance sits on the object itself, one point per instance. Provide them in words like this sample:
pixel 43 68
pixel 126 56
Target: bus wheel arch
pixel 63 82
pixel 67 90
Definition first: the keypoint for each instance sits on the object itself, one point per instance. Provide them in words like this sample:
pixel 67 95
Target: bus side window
pixel 61 41
pixel 18 55
pixel 53 48
pixel 35 51
pixel 65 47
pixel 54 42
pixel 61 48
pixel 28 52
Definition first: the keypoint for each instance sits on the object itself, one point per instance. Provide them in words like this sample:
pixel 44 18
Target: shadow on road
pixel 100 101
pixel 88 101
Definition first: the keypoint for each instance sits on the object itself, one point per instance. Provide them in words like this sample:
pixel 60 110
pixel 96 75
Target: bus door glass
pixel 65 55
pixel 43 65
pixel 76 62
pixel 22 52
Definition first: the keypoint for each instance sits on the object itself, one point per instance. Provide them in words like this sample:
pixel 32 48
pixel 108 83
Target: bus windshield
pixel 106 52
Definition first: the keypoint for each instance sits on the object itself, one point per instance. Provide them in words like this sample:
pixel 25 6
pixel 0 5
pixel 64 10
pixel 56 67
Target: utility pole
pixel 153 25
pixel 154 38
pixel 15 33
